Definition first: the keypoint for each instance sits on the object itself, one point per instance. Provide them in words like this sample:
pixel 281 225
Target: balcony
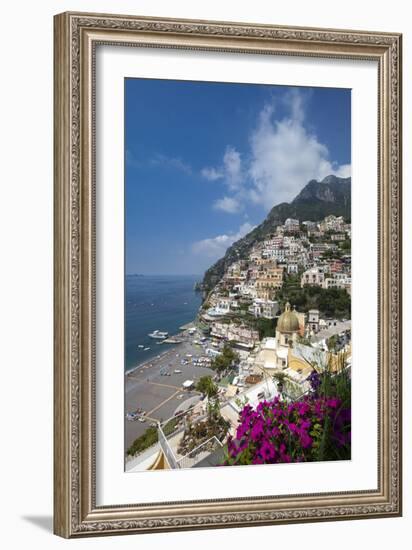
pixel 170 432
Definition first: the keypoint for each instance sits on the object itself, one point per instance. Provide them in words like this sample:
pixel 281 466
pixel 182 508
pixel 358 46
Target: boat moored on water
pixel 158 335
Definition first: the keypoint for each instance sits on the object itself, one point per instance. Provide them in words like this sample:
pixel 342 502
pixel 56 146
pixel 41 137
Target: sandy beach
pixel 159 395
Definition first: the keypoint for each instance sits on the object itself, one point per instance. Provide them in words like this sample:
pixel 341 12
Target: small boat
pixel 146 349
pixel 140 346
pixel 159 335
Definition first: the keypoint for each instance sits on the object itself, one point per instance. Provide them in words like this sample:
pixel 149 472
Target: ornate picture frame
pixel 76 36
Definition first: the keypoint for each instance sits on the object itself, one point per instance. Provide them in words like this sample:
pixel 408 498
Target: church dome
pixel 288 321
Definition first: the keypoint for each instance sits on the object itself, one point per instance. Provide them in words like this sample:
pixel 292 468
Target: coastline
pixel 165 303
pixel 158 356
pixel 160 395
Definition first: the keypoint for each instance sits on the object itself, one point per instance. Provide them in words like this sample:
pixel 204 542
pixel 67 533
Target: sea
pixel 156 302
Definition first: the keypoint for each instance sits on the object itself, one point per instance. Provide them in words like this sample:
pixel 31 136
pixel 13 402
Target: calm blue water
pixel 162 302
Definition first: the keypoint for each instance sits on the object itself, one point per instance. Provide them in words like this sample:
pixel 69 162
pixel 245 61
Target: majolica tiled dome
pixel 288 321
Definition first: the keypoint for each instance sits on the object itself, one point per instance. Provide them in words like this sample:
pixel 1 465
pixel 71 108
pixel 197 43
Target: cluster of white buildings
pixel 240 335
pixel 306 248
pixel 267 309
pixel 332 274
pixel 334 223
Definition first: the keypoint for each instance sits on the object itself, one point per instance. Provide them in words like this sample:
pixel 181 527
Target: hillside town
pixel 317 253
pixel 287 302
pixel 277 318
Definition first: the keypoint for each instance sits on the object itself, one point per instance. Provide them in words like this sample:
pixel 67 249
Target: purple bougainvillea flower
pixel 305 440
pixel 241 430
pixel 269 420
pixel 303 408
pixel 292 426
pixel 280 431
pixel 305 424
pixel 256 430
pixel 333 403
pixel 275 432
pixel 267 451
pixel 285 458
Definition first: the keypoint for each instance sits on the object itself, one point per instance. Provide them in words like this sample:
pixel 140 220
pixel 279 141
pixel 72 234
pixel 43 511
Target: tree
pixel 279 378
pixel 225 360
pixel 346 245
pixel 265 327
pixel 219 364
pixel 207 386
pixel 331 254
pixel 332 302
pixel 230 354
pixel 213 409
pixel 331 342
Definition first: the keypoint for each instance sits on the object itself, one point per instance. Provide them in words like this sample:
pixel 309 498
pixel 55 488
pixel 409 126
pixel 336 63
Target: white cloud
pixel 230 205
pixel 232 164
pixel 172 162
pixel 215 247
pixel 230 171
pixel 344 171
pixel 295 102
pixel 284 155
pixel 211 174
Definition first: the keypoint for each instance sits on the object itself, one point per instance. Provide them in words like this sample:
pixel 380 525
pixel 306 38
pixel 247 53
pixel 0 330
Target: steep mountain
pixel 317 199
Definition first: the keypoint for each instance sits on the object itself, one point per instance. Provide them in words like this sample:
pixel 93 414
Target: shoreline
pixel 158 390
pixel 162 302
pixel 161 354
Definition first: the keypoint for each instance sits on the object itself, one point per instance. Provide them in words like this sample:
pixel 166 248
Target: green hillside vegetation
pixel 150 437
pixel 146 440
pixel 265 327
pixel 331 302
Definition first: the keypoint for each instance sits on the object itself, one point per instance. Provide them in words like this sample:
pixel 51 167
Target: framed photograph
pixel 227 274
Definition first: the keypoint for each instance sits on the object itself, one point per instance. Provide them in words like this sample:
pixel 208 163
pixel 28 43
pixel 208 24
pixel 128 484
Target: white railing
pixel 167 450
pixel 195 455
pixel 189 461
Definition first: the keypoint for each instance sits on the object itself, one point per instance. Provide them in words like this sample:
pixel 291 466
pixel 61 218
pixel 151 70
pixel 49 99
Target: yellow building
pixel 288 327
pixel 273 354
pixel 268 280
pixel 303 359
pixel 285 351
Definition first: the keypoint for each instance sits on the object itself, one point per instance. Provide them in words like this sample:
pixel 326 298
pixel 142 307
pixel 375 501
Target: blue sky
pixel 205 162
